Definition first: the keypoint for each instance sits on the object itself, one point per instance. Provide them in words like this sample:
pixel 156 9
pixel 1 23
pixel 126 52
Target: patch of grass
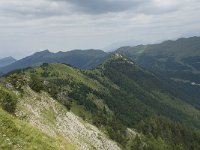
pixel 81 112
pixel 49 115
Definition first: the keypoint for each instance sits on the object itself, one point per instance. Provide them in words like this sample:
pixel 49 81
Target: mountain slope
pixel 143 88
pixel 77 58
pixel 18 134
pixel 6 61
pixel 178 60
pixel 55 120
pixel 40 122
pixel 117 96
pixel 127 104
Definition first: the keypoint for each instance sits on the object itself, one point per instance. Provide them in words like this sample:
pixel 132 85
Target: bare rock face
pixel 53 119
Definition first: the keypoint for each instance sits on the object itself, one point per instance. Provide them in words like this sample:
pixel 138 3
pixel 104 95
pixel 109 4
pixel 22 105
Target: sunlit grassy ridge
pixel 61 71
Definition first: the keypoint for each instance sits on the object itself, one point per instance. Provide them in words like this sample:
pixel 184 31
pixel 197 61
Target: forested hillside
pixel 135 108
pixel 177 60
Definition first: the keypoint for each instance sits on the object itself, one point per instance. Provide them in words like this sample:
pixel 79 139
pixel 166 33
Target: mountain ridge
pixel 173 59
pixel 77 58
pixel 183 52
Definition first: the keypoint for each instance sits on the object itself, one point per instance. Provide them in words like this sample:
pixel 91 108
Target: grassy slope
pixel 61 71
pixel 17 134
pixel 46 124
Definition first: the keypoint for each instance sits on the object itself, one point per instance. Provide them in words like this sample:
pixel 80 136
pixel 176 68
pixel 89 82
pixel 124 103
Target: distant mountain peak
pixel 47 51
pixel 84 59
pixel 43 52
pixel 8 58
pixel 7 61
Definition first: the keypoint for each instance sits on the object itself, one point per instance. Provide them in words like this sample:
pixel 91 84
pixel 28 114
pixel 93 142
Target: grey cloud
pixel 32 25
pixel 31 9
pixel 94 7
pixel 105 6
pixel 35 9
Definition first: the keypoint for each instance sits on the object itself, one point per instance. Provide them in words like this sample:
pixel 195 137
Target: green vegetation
pixel 16 134
pixel 169 135
pixel 8 100
pixel 118 95
pixel 17 80
pixel 36 84
pixel 170 59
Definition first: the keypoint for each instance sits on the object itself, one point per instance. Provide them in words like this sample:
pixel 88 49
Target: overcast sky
pixel 27 26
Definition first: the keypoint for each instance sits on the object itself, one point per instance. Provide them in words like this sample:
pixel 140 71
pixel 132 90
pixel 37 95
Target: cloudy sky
pixel 27 26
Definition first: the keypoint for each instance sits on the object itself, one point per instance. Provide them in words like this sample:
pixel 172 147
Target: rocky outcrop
pixel 53 118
